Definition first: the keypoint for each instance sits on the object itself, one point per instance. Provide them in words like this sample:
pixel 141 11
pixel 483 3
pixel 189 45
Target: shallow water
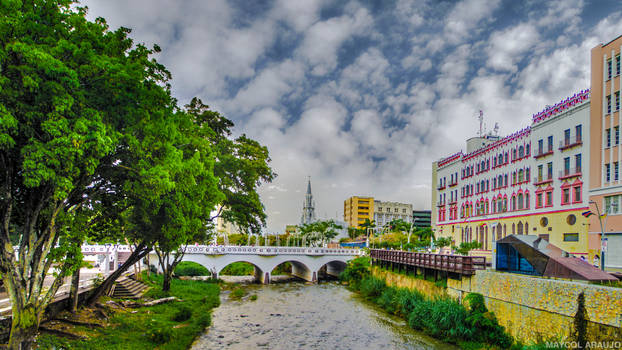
pixel 296 315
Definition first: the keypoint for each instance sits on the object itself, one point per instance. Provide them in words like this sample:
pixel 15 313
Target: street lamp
pixel 602 236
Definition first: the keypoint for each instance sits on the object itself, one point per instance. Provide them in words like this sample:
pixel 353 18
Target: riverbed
pixel 297 315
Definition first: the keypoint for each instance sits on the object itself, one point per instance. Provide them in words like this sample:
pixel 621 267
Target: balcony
pixel 453 202
pixel 440 203
pixel 541 154
pixel 452 184
pixel 542 180
pixel 441 187
pixel 568 173
pixel 569 143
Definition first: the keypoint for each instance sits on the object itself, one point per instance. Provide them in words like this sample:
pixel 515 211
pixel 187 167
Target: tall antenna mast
pixel 481 123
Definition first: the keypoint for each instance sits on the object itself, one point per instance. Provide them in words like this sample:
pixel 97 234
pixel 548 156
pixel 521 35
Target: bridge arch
pixel 334 267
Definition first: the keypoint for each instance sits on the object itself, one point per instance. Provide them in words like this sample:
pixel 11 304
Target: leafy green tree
pixel 443 242
pixel 72 93
pixel 320 231
pixel 241 166
pixel 466 247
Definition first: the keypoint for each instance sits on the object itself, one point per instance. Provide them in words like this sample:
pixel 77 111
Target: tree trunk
pixel 23 327
pixel 105 287
pixel 74 292
pixel 166 283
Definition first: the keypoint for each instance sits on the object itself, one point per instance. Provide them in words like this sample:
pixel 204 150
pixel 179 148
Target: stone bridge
pixel 307 262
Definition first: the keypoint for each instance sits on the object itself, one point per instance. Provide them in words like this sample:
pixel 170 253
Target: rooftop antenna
pixel 481 123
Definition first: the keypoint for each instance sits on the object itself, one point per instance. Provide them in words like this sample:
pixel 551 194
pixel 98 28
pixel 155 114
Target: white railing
pixel 219 250
pixel 269 250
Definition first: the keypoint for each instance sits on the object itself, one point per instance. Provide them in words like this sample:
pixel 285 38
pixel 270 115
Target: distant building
pixel 356 209
pixel 422 218
pixel 385 212
pixel 308 207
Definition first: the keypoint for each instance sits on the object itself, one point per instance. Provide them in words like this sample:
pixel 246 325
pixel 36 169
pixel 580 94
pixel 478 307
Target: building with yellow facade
pixel 356 209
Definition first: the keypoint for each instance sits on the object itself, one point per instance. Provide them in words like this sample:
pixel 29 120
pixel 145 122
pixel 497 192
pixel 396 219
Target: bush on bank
pixel 441 317
pixel 169 326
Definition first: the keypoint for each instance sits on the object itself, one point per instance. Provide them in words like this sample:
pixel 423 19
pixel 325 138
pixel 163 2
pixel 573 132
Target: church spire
pixel 308 207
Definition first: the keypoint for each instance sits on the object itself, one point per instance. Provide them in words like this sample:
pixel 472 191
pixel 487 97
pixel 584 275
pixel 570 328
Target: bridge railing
pixel 217 250
pixel 269 250
pixel 465 265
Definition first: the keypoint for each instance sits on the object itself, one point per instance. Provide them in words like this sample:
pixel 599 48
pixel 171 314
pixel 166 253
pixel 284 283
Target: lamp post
pixel 602 236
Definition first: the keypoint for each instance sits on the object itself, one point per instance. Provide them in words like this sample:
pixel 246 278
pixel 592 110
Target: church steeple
pixel 308 207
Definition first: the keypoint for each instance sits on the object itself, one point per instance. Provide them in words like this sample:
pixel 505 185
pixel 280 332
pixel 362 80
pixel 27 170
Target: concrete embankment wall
pixel 427 288
pixel 538 309
pixel 531 309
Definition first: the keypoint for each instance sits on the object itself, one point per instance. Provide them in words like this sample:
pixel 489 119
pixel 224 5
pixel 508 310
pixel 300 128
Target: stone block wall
pixel 537 309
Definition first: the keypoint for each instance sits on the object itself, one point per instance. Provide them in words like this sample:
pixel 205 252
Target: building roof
pixel 549 260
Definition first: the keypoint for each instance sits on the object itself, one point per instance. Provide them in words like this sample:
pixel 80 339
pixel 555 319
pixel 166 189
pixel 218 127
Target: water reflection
pixel 295 315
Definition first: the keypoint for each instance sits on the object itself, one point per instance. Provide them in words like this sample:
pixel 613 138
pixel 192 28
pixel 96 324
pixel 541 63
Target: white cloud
pixel 373 126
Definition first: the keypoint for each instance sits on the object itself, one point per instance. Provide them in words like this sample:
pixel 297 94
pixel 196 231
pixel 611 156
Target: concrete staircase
pixel 128 288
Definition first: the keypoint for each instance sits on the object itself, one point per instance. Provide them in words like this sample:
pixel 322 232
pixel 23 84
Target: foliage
pixel 442 242
pixel 189 268
pixel 466 247
pixel 237 293
pixel 183 314
pixel 253 297
pixel 240 268
pixel 356 270
pixel 155 322
pixel 443 317
pixel 282 269
pixel 319 232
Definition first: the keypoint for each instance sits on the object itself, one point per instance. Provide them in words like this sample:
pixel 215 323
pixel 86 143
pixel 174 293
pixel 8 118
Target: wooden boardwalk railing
pixel 464 265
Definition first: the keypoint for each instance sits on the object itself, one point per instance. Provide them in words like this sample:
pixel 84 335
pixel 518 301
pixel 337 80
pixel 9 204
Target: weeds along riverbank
pixel 469 325
pixel 169 326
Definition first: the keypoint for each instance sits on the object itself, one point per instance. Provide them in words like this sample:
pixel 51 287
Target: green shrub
pixel 160 335
pixel 372 287
pixel 237 293
pixel 356 270
pixel 204 320
pixel 189 268
pixel 253 297
pixel 407 300
pixel 183 314
pixel 388 300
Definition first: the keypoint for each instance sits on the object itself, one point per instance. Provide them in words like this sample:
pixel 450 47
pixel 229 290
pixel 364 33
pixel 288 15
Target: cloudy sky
pixel 364 95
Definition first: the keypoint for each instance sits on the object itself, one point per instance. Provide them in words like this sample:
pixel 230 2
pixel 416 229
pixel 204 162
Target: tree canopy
pixel 93 146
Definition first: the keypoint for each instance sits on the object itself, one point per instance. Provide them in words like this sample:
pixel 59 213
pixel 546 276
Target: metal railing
pixel 464 265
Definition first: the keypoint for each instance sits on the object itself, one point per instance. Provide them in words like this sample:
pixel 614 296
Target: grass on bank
pixel 169 326
pixel 469 325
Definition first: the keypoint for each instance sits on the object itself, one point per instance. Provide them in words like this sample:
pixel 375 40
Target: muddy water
pixel 295 315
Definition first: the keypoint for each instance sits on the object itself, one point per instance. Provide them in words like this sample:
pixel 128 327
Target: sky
pixel 363 96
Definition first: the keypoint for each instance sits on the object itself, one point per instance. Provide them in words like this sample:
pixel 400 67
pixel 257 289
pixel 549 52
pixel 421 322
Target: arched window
pixel 527 149
pixel 513 202
pixel 520 228
pixel 500 159
pixel 527 200
pixel 498 232
pixel 521 176
pixel 513 228
pixel 505 231
pixel 521 152
pixel 485 245
pixel 526 228
pixel 506 157
pixel 514 154
pixel 520 201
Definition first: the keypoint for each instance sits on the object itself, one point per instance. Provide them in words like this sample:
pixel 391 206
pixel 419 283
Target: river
pixel 297 315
